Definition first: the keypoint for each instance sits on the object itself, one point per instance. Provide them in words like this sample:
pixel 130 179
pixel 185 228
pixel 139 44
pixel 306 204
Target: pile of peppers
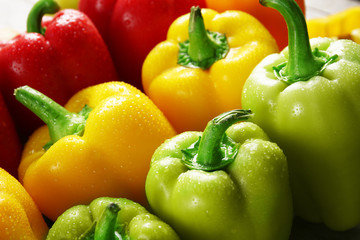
pixel 206 131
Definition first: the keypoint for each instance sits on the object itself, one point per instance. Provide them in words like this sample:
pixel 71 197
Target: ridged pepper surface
pixel 199 71
pixel 230 184
pixel 307 100
pixel 100 144
pixel 132 28
pixel 59 60
pixel 110 219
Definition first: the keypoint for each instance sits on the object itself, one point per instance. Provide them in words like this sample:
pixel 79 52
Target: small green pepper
pixel 109 219
pixel 307 99
pixel 229 182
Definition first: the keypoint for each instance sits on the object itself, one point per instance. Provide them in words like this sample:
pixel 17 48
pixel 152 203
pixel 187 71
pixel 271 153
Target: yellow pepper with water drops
pixel 199 71
pixel 19 216
pixel 99 144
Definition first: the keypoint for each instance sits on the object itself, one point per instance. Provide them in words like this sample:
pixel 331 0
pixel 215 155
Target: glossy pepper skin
pixel 132 28
pixel 70 56
pixel 243 193
pixel 308 104
pixel 190 96
pixel 270 18
pixel 102 143
pixel 340 24
pixel 109 215
pixel 10 146
pixel 19 218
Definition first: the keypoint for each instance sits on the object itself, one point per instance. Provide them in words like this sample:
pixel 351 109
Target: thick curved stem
pixel 302 63
pixel 105 228
pixel 60 121
pixel 203 47
pixel 39 9
pixel 214 150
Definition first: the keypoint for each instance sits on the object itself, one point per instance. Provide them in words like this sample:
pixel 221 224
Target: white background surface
pixel 13 13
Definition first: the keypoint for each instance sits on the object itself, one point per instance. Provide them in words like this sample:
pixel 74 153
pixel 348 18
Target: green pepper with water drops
pixel 307 99
pixel 108 218
pixel 228 182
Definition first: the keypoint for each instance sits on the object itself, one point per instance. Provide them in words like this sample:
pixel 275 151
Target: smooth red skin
pixel 71 56
pixel 10 147
pixel 132 28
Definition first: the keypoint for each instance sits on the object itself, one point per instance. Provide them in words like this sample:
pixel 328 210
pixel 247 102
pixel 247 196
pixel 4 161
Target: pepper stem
pixel 106 227
pixel 203 47
pixel 39 9
pixel 302 63
pixel 214 150
pixel 60 121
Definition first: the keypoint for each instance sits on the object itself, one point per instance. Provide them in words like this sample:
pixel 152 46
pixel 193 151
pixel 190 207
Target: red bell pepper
pixel 59 61
pixel 10 147
pixel 132 28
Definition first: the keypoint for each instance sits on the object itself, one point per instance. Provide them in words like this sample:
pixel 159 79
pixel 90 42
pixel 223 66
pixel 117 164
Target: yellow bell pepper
pixel 19 216
pixel 199 71
pixel 100 144
pixel 338 25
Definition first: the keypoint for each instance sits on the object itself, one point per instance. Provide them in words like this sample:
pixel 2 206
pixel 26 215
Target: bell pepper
pixel 338 25
pixel 228 182
pixel 194 75
pixel 270 18
pixel 70 56
pixel 10 146
pixel 306 100
pixel 132 28
pixel 19 216
pixel 99 144
pixel 107 218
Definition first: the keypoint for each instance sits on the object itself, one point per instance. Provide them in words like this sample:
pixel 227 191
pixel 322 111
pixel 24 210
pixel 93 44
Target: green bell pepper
pixel 108 218
pixel 229 182
pixel 307 99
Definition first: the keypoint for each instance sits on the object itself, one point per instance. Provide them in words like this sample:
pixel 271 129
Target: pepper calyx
pixel 204 47
pixel 303 63
pixel 214 150
pixel 322 57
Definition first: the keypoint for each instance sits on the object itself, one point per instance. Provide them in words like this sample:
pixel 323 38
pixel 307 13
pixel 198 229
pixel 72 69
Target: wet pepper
pixel 307 100
pixel 59 61
pixel 19 216
pixel 100 144
pixel 199 71
pixel 132 28
pixel 229 182
pixel 108 218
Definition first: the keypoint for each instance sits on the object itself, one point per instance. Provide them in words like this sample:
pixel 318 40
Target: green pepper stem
pixel 60 121
pixel 301 64
pixel 39 9
pixel 210 152
pixel 105 228
pixel 201 46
